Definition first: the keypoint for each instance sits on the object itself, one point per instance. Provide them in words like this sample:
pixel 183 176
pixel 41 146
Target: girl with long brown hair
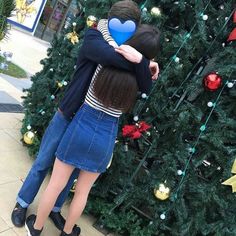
pixel 90 138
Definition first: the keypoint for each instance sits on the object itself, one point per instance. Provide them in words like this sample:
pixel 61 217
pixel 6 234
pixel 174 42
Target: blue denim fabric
pixel 89 140
pixel 44 162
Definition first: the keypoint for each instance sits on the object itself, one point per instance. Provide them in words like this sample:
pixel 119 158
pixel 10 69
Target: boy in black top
pixel 95 50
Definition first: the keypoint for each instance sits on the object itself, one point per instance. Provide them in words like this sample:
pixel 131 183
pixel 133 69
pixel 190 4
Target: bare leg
pixel 85 182
pixel 60 176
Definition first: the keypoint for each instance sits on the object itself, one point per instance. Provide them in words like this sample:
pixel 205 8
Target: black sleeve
pixel 96 49
pixel 143 75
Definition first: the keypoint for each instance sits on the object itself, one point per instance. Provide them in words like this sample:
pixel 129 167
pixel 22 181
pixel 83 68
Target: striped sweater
pixel 90 98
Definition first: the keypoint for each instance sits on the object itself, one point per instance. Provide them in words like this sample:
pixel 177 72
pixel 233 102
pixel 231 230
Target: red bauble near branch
pixel 212 81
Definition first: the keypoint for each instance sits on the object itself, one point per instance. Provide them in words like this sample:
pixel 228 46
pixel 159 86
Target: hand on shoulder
pixel 130 53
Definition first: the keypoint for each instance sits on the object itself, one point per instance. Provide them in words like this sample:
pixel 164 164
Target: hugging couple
pixel 80 138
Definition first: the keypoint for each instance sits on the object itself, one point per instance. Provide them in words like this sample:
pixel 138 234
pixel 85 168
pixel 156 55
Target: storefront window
pixel 57 14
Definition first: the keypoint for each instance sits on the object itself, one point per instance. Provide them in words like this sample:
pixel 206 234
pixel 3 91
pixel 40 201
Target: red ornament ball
pixel 212 81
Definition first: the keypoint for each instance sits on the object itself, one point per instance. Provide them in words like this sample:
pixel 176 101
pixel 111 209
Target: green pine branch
pixel 6 7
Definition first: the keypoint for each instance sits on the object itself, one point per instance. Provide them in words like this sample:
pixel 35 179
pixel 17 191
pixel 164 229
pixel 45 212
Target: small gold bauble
pixel 29 137
pixel 91 21
pixel 59 84
pixel 73 37
pixel 155 11
pixel 162 192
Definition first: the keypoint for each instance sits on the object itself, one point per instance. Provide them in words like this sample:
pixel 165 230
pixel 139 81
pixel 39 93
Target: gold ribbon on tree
pixel 232 181
pixel 23 9
pixel 73 36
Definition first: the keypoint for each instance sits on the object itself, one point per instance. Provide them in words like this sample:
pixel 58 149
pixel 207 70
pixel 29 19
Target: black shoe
pixel 18 215
pixel 59 221
pixel 29 225
pixel 75 232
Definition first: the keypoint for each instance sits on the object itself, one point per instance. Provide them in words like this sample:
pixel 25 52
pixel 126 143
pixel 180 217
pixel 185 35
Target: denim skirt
pixel 89 140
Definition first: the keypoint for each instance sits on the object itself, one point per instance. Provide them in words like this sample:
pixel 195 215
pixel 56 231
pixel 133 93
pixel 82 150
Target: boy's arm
pixel 95 48
pixel 143 75
pixel 141 70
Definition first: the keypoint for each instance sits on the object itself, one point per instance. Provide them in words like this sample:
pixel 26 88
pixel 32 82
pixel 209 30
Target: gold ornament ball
pixel 155 11
pixel 29 137
pixel 162 192
pixel 91 21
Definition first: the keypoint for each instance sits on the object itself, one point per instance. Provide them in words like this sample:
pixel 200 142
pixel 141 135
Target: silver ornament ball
pixel 177 59
pixel 205 17
pixel 230 85
pixel 144 10
pixel 144 95
pixel 179 172
pixel 210 104
pixel 162 216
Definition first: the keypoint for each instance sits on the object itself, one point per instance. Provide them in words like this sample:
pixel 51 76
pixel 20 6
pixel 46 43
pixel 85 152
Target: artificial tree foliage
pixel 6 7
pixel 190 147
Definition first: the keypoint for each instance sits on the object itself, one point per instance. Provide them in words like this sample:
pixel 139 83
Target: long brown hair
pixel 146 40
pixel 116 88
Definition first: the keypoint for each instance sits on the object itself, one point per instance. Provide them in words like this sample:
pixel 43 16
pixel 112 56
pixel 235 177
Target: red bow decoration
pixel 232 35
pixel 135 131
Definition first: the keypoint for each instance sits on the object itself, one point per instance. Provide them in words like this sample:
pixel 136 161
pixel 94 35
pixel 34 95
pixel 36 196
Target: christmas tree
pixel 178 146
pixel 6 7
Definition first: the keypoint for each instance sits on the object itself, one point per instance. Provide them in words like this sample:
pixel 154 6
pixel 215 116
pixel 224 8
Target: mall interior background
pixel 57 14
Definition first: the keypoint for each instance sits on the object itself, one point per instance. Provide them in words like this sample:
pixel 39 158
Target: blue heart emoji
pixel 121 32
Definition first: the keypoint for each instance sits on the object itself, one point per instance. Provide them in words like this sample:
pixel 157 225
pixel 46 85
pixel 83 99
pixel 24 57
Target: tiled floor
pixel 14 165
